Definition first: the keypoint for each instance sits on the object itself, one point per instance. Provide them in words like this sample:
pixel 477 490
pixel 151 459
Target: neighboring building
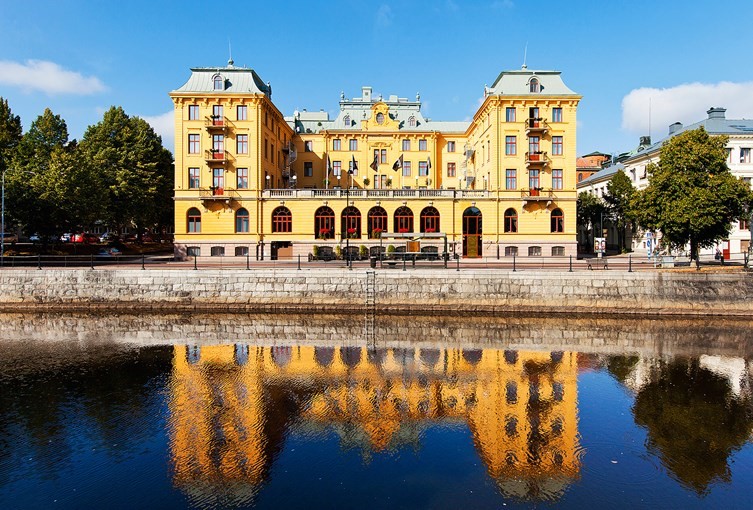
pixel 589 164
pixel 250 181
pixel 739 160
pixel 596 184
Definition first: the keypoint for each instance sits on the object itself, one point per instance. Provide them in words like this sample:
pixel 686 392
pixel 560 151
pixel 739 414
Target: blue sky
pixel 80 57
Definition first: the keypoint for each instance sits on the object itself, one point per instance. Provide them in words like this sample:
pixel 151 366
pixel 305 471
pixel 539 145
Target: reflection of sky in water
pixel 294 426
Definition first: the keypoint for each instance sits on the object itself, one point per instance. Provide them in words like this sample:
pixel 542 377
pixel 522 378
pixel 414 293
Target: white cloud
pixel 47 77
pixel 384 16
pixel 686 103
pixel 164 125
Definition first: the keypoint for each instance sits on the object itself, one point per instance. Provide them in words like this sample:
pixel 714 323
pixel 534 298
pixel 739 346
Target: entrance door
pixel 725 249
pixel 282 250
pixel 472 232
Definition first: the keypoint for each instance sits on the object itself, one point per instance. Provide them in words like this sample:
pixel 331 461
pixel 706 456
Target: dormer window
pixel 412 121
pixel 534 85
pixel 219 83
pixel 380 118
pixel 346 120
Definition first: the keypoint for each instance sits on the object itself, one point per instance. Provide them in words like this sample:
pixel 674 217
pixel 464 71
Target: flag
pixel 329 167
pixel 375 164
pixel 398 164
pixel 353 167
pixel 428 163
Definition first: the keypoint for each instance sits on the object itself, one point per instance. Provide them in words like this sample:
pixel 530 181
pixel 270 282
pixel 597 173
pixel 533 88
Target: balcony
pixel 216 123
pixel 215 194
pixel 536 125
pixel 376 193
pixel 537 159
pixel 537 195
pixel 216 157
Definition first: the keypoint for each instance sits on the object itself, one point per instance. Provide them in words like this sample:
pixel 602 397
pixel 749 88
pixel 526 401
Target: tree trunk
pixel 694 253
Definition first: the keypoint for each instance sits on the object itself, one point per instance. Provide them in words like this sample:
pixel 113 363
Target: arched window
pixel 241 221
pixel 282 220
pixel 346 120
pixel 412 121
pixel 194 220
pixel 429 220
pixel 376 222
pixel 534 85
pixel 351 223
pixel 380 118
pixel 403 220
pixel 219 83
pixel 558 221
pixel 324 223
pixel 511 220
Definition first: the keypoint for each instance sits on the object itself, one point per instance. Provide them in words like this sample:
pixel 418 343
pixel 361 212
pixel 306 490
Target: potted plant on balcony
pixel 366 181
pixel 219 190
pixel 535 192
pixel 430 230
pixel 402 230
pixel 351 233
pixel 389 182
pixel 376 233
pixel 324 233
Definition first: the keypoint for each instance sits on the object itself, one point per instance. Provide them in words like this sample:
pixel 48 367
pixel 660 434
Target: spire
pixel 230 54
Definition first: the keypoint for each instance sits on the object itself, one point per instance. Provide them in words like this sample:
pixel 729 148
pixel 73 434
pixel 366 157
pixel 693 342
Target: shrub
pixel 363 252
pixel 338 252
pixel 315 250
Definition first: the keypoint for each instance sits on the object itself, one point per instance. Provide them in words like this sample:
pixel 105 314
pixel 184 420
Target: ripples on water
pixel 98 411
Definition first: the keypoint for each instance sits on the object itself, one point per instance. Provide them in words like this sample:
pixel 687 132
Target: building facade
pixel 251 181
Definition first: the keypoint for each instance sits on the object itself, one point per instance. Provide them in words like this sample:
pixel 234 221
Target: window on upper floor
pixel 241 144
pixel 511 145
pixel 193 112
pixel 380 118
pixel 744 155
pixel 510 114
pixel 557 145
pixel 406 145
pixel 336 144
pixel 219 83
pixel 242 178
pixel 557 178
pixel 406 169
pixel 193 178
pixel 729 155
pixel 422 145
pixel 534 86
pixel 308 146
pixel 511 178
pixel 450 169
pixel 241 112
pixel 308 169
pixel 411 121
pixel 346 120
pixel 194 143
pixel 450 146
pixel 556 114
pixel 353 145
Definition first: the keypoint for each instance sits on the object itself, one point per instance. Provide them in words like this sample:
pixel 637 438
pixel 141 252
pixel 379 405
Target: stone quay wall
pixel 338 290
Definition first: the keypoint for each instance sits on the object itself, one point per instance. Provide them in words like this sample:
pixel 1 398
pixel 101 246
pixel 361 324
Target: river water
pixel 263 411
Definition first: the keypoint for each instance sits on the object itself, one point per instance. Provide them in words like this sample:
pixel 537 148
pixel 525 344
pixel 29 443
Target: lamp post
pixel 2 220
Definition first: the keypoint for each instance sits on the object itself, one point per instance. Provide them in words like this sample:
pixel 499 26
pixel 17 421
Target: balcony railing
pixel 537 195
pixel 536 124
pixel 375 193
pixel 217 194
pixel 216 123
pixel 221 157
pixel 537 158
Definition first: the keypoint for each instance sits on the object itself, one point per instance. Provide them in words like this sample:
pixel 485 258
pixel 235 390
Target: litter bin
pixel 372 262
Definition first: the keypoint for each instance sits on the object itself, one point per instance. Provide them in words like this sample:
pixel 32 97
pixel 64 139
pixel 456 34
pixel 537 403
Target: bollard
pixel 571 264
pixel 194 262
pixel 513 264
pixel 457 259
pixel 143 260
pixel 91 260
pixel 299 261
pixel 39 261
pixel 630 263
pixel 248 260
pixel 403 261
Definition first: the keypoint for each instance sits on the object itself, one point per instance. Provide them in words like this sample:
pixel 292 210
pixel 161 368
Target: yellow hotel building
pixel 249 180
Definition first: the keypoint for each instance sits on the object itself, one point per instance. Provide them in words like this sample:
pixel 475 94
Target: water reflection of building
pixel 231 405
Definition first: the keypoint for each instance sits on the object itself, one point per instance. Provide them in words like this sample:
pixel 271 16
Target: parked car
pixel 66 238
pixel 85 238
pixel 108 237
pixel 9 237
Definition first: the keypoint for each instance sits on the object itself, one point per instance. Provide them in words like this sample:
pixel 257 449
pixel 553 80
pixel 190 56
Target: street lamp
pixel 2 227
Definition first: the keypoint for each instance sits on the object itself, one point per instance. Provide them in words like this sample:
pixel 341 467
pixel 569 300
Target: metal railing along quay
pixel 396 261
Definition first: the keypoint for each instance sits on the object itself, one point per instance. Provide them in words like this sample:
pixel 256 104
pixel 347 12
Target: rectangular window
pixel 218 178
pixel 241 251
pixel 511 145
pixel 534 145
pixel 241 112
pixel 511 178
pixel 533 179
pixel 406 145
pixel 194 144
pixel 423 168
pixel 218 115
pixel 337 168
pixel 193 112
pixel 406 168
pixel 308 146
pixel 450 146
pixel 353 145
pixel 450 169
pixel 510 114
pixel 193 251
pixel 422 145
pixel 193 178
pixel 744 155
pixel 241 144
pixel 556 114
pixel 383 156
pixel 557 178
pixel 511 251
pixel 557 146
pixel 534 251
pixel 308 169
pixel 729 155
pixel 218 143
pixel 336 144
pixel 743 224
pixel 218 251
pixel 242 178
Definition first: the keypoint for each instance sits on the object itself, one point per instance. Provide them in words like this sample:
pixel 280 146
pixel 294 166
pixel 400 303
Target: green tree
pixel 619 195
pixel 135 168
pixel 10 134
pixel 590 213
pixel 692 198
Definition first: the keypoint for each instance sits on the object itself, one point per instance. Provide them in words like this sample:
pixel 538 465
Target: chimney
pixel 716 113
pixel 645 141
pixel 366 93
pixel 674 128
